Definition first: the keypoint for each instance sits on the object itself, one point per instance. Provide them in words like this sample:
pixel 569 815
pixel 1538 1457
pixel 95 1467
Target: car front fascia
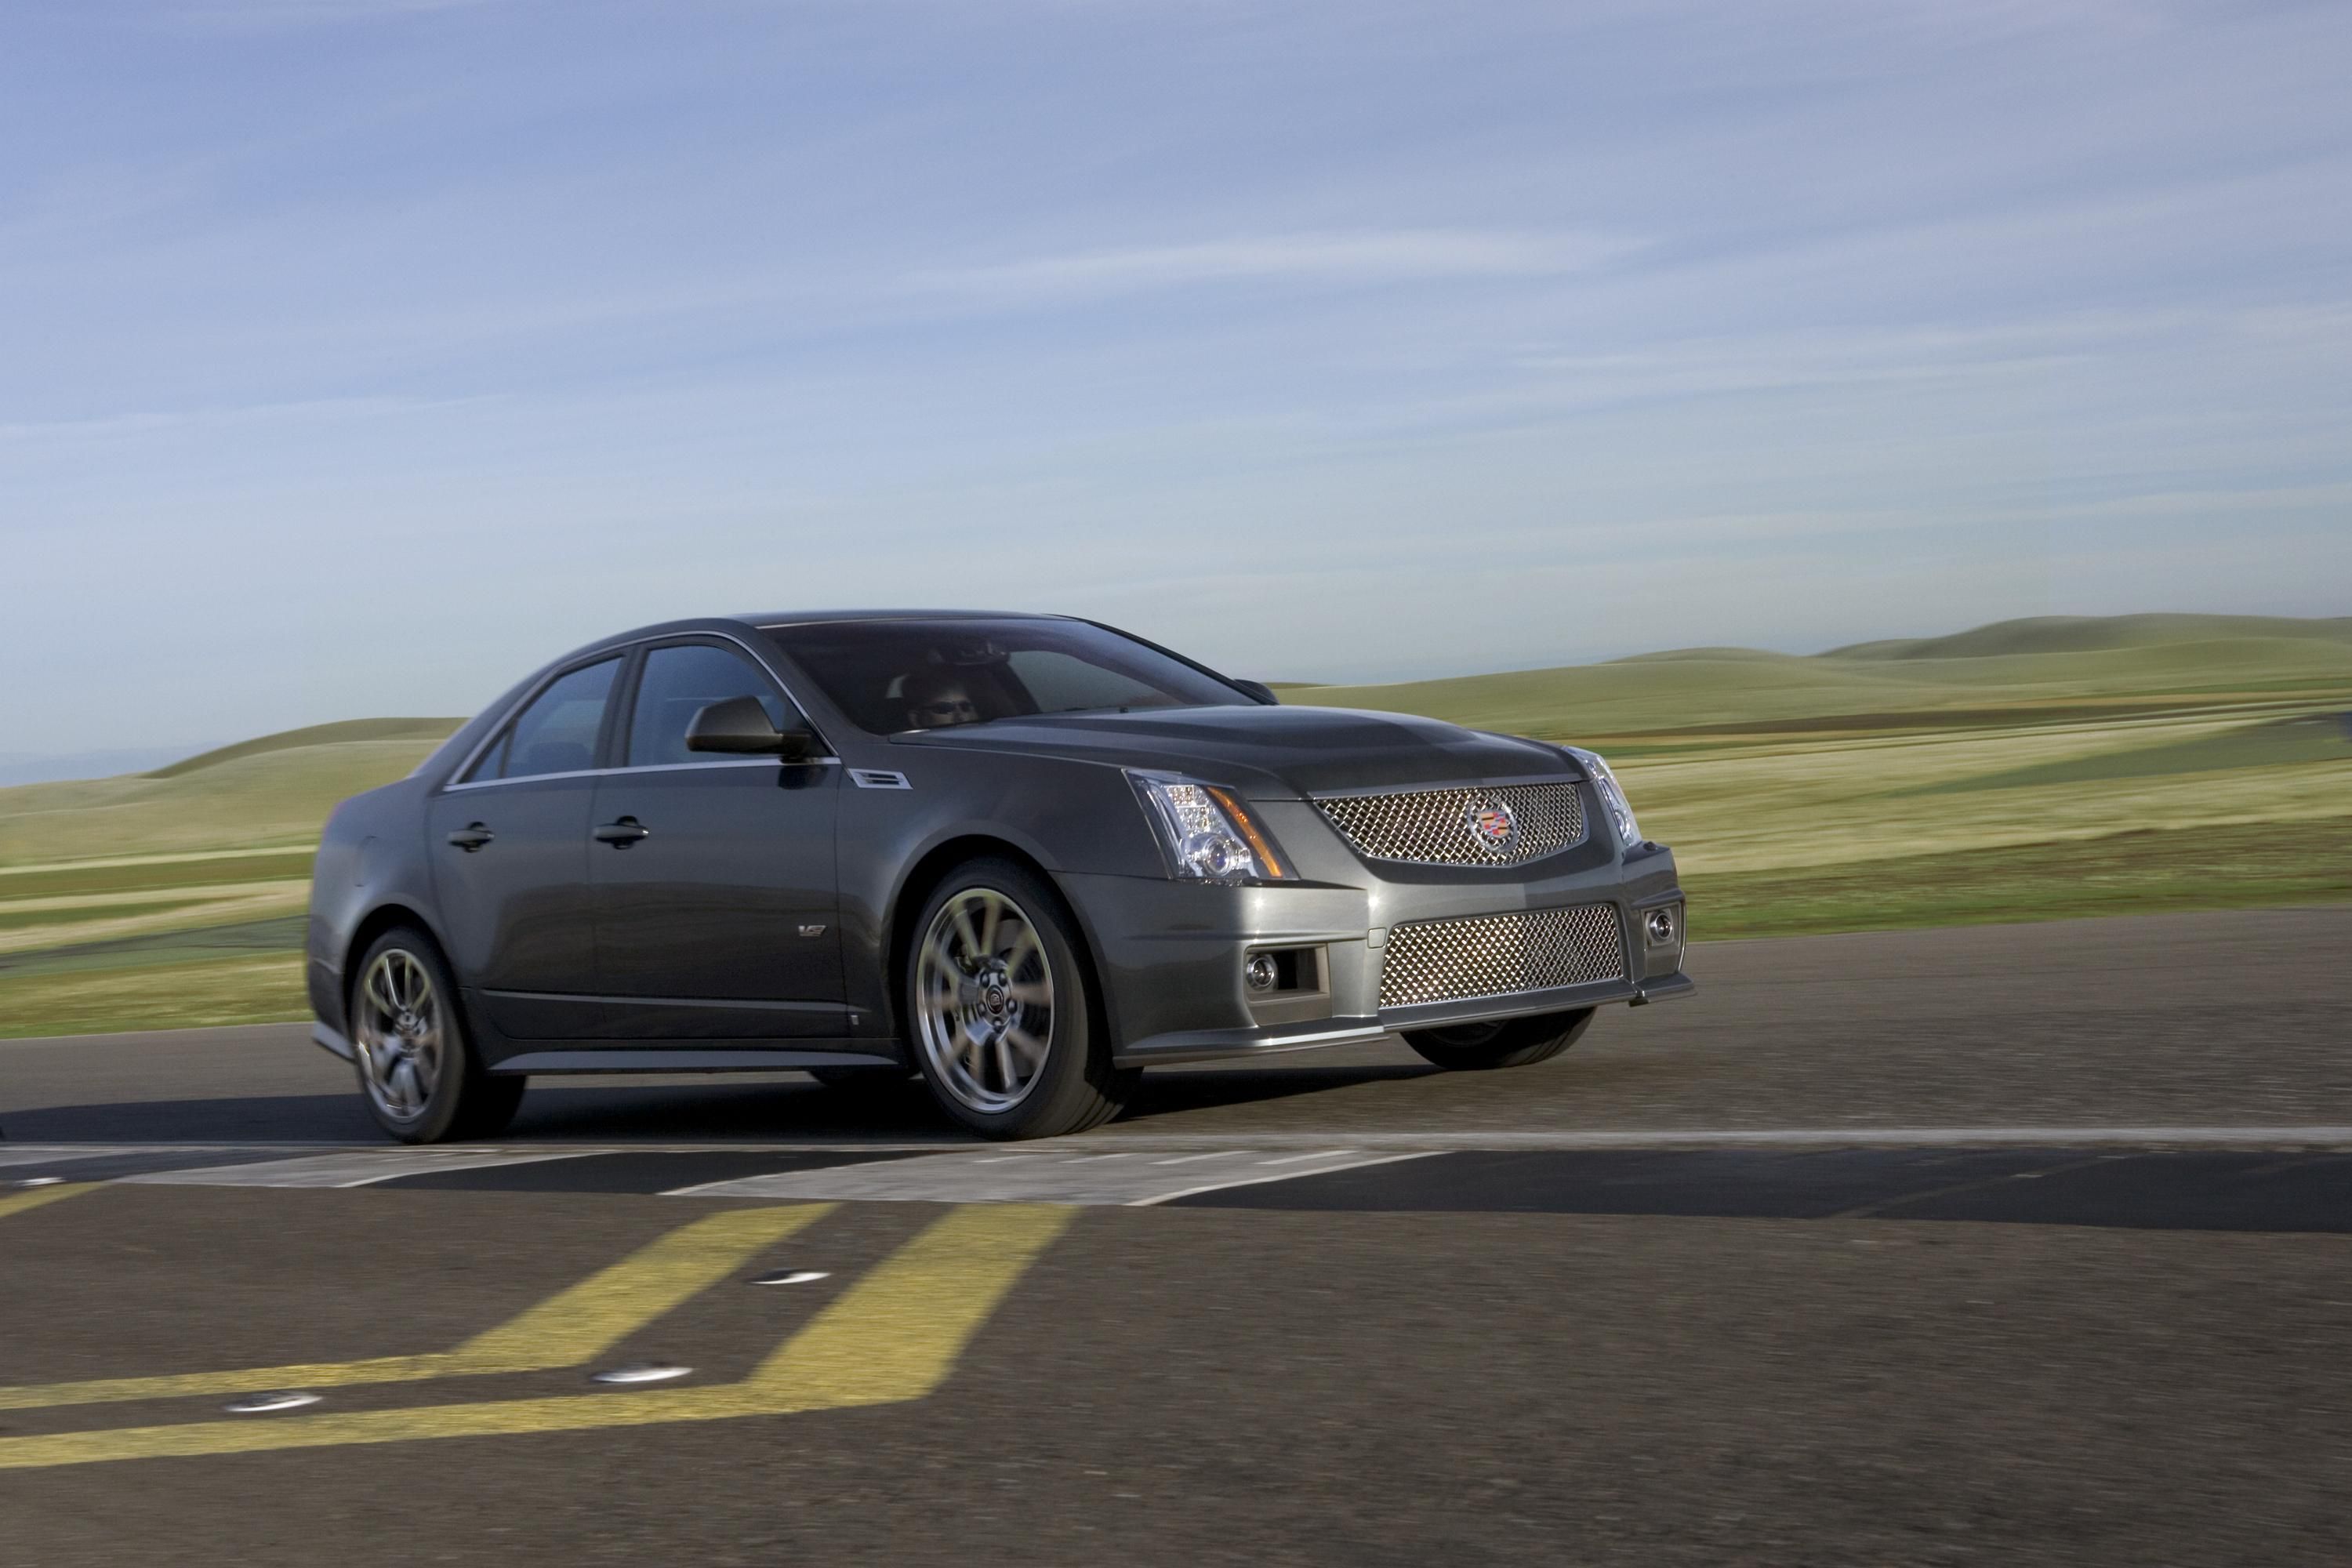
pixel 1171 954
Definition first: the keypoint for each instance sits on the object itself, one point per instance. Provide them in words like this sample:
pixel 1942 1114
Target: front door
pixel 717 917
pixel 510 850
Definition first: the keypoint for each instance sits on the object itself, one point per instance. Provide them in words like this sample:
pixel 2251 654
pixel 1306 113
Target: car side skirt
pixel 664 1059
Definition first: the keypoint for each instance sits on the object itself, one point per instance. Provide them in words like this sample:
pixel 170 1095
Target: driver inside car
pixel 935 701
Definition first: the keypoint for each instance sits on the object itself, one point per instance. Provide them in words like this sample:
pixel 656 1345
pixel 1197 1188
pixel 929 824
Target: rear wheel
pixel 1002 1011
pixel 1504 1043
pixel 416 1072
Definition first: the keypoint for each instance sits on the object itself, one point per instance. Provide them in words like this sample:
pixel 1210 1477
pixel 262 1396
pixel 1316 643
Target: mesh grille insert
pixel 1495 955
pixel 1442 826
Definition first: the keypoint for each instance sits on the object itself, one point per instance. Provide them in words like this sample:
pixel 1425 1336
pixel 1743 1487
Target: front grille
pixel 1495 955
pixel 1437 827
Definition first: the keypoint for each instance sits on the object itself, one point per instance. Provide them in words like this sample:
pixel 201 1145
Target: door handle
pixel 622 834
pixel 471 836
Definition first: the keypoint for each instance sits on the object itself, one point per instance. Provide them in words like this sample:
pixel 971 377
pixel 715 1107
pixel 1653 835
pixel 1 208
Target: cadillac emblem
pixel 1492 824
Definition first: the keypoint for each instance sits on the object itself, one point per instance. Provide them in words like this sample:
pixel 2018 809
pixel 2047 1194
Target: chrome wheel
pixel 400 1035
pixel 983 1001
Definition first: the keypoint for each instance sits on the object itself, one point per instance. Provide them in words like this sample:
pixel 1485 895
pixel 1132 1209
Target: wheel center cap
pixel 995 990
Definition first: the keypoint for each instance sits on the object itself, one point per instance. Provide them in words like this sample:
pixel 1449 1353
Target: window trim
pixel 631 654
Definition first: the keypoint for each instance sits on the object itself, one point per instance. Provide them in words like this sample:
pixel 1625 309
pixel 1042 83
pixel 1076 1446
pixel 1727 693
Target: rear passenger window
pixel 557 734
pixel 679 682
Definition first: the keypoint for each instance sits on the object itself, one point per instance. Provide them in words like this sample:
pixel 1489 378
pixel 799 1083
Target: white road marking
pixel 1087 1170
pixel 966 1179
pixel 347 1170
pixel 1204 1144
pixel 1858 1137
pixel 1157 1198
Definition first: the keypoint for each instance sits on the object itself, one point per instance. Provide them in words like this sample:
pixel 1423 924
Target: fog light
pixel 1660 925
pixel 1261 972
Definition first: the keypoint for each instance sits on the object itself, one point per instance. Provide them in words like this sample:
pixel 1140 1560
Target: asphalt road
pixel 2051 1266
pixel 2170 1020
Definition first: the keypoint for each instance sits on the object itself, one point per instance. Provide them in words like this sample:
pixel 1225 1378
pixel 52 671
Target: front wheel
pixel 1002 1008
pixel 419 1076
pixel 1505 1043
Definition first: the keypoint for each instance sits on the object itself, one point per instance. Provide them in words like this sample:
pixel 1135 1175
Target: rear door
pixel 717 915
pixel 509 847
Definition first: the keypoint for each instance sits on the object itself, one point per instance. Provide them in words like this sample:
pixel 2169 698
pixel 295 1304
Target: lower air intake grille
pixel 1495 955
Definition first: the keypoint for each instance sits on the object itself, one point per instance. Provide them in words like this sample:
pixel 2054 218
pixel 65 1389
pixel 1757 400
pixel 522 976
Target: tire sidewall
pixel 446 1105
pixel 1071 1084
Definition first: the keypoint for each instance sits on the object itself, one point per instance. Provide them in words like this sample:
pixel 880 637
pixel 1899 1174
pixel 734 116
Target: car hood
pixel 1269 752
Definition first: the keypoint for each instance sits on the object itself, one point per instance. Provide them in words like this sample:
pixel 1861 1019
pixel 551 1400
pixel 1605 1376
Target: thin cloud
pixel 155 421
pixel 232 14
pixel 1393 255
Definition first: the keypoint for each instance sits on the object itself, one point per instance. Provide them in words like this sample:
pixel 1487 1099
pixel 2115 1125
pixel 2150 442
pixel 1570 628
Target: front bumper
pixel 1172 954
pixel 1265 1040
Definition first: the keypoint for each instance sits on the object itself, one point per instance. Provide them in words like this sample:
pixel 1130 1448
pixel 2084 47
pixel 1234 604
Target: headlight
pixel 1209 836
pixel 1611 792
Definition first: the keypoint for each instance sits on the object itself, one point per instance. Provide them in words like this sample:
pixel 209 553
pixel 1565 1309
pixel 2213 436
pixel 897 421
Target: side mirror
pixel 1260 690
pixel 740 727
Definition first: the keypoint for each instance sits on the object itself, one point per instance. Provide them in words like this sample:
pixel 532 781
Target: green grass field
pixel 2026 771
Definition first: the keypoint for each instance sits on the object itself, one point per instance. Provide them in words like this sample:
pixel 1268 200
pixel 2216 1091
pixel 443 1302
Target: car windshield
pixel 893 676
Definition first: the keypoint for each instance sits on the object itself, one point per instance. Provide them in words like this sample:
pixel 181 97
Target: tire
pixel 1001 1014
pixel 1505 1042
pixel 417 1072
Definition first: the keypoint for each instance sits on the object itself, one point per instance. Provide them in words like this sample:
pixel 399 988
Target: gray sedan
pixel 1022 856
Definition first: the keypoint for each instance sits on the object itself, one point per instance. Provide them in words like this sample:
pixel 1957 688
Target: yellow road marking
pixel 34 1198
pixel 565 1329
pixel 894 1336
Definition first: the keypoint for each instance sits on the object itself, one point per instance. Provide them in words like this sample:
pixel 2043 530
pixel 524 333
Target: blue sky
pixel 359 354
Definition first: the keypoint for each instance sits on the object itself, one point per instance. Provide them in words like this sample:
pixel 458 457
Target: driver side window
pixel 680 681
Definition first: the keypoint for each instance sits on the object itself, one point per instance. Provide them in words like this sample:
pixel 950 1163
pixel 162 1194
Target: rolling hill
pixel 2020 770
pixel 2013 671
pixel 2092 634
pixel 432 731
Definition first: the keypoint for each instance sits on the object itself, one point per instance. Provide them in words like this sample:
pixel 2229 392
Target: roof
pixel 805 617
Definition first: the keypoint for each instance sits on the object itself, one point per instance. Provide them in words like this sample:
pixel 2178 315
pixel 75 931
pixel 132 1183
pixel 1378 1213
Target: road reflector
pixel 33 1194
pixel 263 1403
pixel 641 1371
pixel 791 1276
